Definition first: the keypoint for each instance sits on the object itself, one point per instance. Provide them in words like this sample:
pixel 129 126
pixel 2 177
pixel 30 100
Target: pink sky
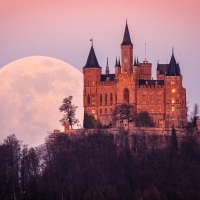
pixel 62 29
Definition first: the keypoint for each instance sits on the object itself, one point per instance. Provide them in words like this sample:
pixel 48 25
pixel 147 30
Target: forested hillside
pixel 102 166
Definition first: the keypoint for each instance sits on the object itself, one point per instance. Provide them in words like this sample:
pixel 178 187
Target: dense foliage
pixel 102 166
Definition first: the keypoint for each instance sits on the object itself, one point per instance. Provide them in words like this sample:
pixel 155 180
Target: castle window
pixel 100 100
pixel 172 82
pixel 173 90
pixel 110 110
pixel 173 108
pixel 106 110
pixel 144 101
pixel 177 101
pixel 173 101
pixel 126 95
pixel 111 98
pixel 159 110
pixel 105 99
pixel 100 111
pixel 151 101
pixel 93 83
pixel 116 98
pixel 93 101
pixel 159 101
pixel 88 99
pixel 151 109
pixel 93 111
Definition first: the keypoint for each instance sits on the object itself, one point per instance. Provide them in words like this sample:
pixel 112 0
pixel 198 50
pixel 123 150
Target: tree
pixel 90 122
pixel 69 111
pixel 194 115
pixel 144 119
pixel 124 111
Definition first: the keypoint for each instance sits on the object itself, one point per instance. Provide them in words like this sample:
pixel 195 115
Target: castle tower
pixel 175 96
pixel 127 52
pixel 92 76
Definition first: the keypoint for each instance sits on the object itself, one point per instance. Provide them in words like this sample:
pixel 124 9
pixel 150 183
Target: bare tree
pixel 194 115
pixel 69 110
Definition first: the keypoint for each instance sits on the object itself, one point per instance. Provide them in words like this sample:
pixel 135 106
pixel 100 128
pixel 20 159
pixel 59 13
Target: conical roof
pixel 92 60
pixel 173 67
pixel 126 39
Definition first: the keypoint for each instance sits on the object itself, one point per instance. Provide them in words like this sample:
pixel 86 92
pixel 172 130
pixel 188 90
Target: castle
pixel 164 98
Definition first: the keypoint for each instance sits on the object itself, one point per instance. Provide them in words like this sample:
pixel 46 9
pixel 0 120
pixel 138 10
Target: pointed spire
pixel 107 67
pixel 92 59
pixel 137 61
pixel 119 62
pixel 173 67
pixel 126 39
pixel 116 62
pixel 135 64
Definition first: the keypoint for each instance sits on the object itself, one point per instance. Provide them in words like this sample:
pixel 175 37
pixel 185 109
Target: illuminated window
pixel 172 82
pixel 151 109
pixel 93 101
pixel 92 82
pixel 172 118
pixel 93 111
pixel 144 101
pixel 173 90
pixel 173 108
pixel 173 101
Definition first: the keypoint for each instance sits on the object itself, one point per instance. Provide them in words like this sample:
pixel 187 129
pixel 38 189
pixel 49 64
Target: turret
pixel 127 52
pixel 92 76
pixel 175 96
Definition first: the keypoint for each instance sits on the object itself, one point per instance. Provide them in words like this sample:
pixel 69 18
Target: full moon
pixel 32 90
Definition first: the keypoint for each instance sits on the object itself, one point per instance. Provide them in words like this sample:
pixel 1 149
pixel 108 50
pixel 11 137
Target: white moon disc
pixel 31 91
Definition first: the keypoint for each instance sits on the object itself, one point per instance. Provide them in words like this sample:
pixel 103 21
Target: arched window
pixel 105 99
pixel 88 99
pixel 126 95
pixel 100 99
pixel 111 99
